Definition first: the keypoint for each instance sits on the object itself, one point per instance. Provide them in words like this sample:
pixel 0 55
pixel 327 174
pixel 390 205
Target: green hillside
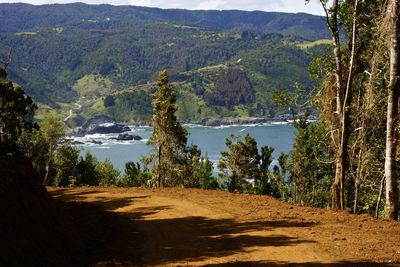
pixel 26 18
pixel 224 64
pixel 240 87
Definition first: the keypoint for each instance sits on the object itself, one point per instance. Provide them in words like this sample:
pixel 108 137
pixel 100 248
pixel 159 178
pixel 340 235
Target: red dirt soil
pixel 189 227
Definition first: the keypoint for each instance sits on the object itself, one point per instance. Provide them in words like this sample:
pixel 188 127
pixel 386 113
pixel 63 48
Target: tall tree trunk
pixel 392 111
pixel 359 172
pixel 343 99
pixel 332 21
pixel 159 165
pixel 49 161
pixel 378 203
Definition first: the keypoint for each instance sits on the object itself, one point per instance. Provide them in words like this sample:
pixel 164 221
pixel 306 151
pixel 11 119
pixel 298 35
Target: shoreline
pixel 283 119
pixel 104 125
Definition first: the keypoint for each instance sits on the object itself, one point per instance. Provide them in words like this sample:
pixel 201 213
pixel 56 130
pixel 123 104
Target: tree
pixel 204 173
pixel 240 164
pixel 169 137
pixel 279 184
pixel 392 196
pixel 341 15
pixel 342 111
pixel 108 175
pixel 66 161
pixel 310 164
pixel 35 148
pixel 86 170
pixel 53 130
pixel 199 173
pixel 16 115
pixel 263 184
pixel 134 175
pixel 109 101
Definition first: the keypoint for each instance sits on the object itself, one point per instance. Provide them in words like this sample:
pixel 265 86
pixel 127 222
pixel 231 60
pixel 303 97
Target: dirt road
pixel 182 227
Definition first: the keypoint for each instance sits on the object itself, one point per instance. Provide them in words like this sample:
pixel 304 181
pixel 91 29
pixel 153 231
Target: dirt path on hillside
pixel 181 227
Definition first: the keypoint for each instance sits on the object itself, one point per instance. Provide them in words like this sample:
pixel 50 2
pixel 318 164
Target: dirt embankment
pixel 31 231
pixel 186 227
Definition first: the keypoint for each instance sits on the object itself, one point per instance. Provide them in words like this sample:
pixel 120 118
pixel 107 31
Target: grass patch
pixel 93 85
pixel 192 107
pixel 186 27
pixel 25 33
pixel 308 45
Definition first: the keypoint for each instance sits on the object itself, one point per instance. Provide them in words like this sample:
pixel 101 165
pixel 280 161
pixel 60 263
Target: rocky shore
pixel 102 124
pixel 222 122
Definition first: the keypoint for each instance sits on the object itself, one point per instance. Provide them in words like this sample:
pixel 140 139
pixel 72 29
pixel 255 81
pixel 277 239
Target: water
pixel 210 140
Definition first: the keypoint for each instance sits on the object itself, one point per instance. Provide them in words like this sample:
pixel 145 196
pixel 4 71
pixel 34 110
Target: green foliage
pixel 174 163
pixel 248 171
pixel 169 137
pixel 70 169
pixel 273 182
pixel 276 66
pixel 22 18
pixel 311 164
pixel 283 98
pixel 231 88
pixel 86 170
pixel 34 147
pixel 117 54
pixel 66 161
pixel 191 106
pixel 53 131
pixel 134 176
pixel 108 175
pixel 240 164
pixel 109 101
pixel 135 105
pixel 199 172
pixel 16 114
pixel 279 178
pixel 263 183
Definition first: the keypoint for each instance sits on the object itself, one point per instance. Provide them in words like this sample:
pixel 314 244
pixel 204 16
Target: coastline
pixel 103 124
pixel 217 122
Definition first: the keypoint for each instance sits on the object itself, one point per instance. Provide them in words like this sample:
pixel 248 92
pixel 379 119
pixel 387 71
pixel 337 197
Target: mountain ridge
pixel 226 20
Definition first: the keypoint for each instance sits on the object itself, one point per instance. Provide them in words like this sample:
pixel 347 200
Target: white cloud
pixel 271 5
pixel 292 6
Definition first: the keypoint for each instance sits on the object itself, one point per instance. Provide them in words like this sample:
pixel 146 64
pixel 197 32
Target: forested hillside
pixel 77 53
pixel 24 17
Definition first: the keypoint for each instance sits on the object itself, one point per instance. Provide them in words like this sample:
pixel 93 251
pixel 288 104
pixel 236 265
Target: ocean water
pixel 210 140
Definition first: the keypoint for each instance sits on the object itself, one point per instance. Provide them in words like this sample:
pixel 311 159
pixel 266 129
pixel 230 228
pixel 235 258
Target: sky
pixel 291 6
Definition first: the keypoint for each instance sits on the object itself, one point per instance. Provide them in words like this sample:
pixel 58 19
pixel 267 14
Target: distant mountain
pixel 24 17
pixel 224 63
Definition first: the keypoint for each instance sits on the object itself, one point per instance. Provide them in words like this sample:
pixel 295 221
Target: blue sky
pixel 292 6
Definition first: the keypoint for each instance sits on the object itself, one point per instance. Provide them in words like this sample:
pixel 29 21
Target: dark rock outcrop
pixel 106 128
pixel 100 124
pixel 97 120
pixel 127 137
